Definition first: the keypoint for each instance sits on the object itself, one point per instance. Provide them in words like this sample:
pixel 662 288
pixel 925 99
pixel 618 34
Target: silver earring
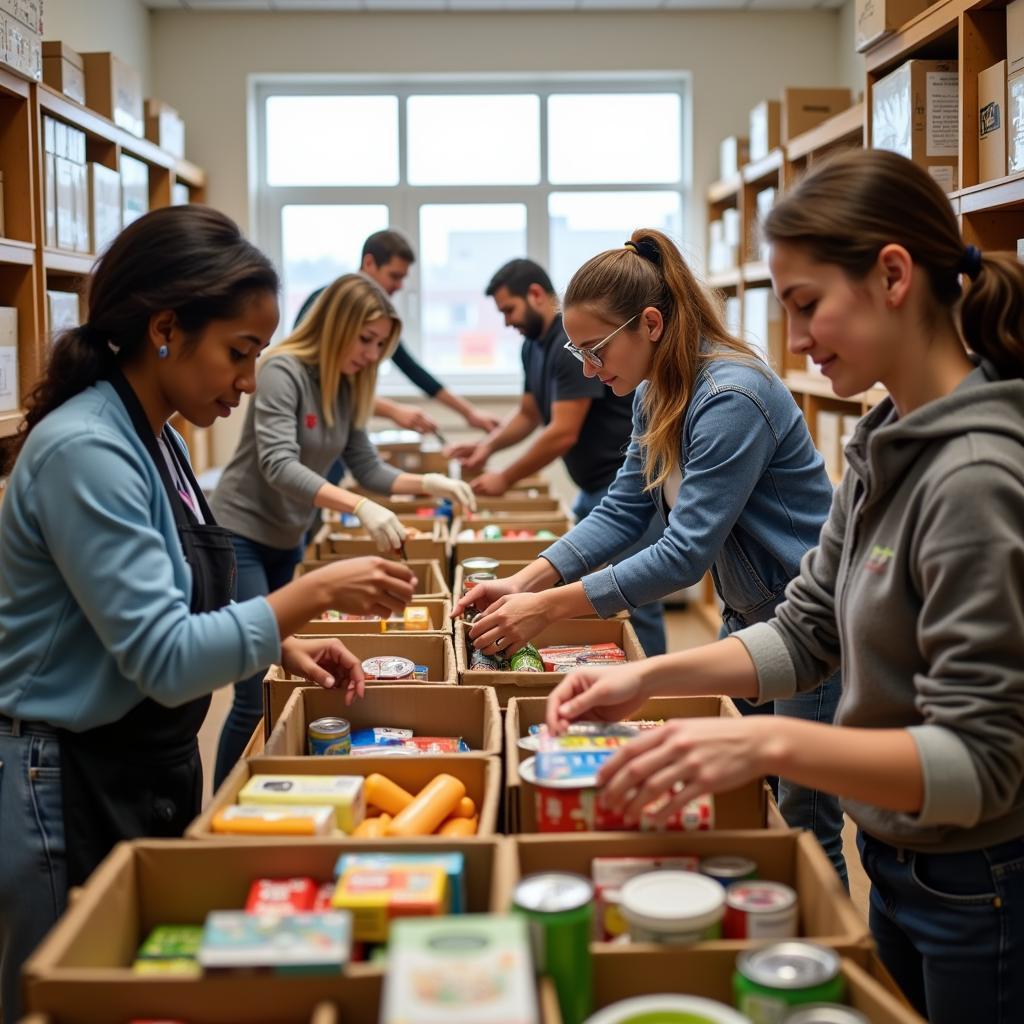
pixel 163 351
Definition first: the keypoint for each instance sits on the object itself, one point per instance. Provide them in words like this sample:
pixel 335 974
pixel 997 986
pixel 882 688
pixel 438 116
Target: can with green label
pixel 770 980
pixel 560 910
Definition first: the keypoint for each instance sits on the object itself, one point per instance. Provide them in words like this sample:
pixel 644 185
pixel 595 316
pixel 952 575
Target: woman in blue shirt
pixel 720 452
pixel 115 582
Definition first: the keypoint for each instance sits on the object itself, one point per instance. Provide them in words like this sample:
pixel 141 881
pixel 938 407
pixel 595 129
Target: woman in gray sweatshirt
pixel 916 590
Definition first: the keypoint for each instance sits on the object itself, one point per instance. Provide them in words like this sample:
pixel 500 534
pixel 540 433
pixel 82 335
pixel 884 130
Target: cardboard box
pixel 516 550
pixel 480 773
pixel 540 684
pixel 335 541
pixel 467 711
pixel 992 110
pixel 795 858
pixel 134 189
pixel 763 324
pixel 438 608
pixel 418 460
pixel 62 311
pixel 741 808
pixel 1015 37
pixel 1015 131
pixel 9 392
pixel 114 89
pixel 430 580
pixel 165 127
pixel 804 109
pixel 877 19
pixel 104 205
pixel 915 112
pixel 535 482
pixel 64 69
pixel 733 153
pixel 765 129
pixel 82 971
pixel 322 1013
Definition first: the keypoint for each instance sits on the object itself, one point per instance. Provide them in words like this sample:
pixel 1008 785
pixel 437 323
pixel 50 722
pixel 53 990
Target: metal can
pixel 468 583
pixel 672 908
pixel 770 981
pixel 389 668
pixel 560 910
pixel 728 869
pixel 526 660
pixel 760 910
pixel 479 563
pixel 329 737
pixel 826 1013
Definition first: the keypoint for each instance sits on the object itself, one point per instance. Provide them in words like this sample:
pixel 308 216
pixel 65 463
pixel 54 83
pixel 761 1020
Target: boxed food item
pixel 915 112
pixel 104 205
pixel 64 69
pixel 134 189
pixel 765 128
pixel 804 109
pixel 1015 130
pixel 377 893
pixel 342 792
pixel 733 153
pixel 452 862
pixel 9 397
pixel 114 89
pixel 876 19
pixel 165 127
pixel 992 111
pixel 259 820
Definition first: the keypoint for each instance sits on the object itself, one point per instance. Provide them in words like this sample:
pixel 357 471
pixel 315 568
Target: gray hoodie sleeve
pixel 362 458
pixel 970 562
pixel 799 648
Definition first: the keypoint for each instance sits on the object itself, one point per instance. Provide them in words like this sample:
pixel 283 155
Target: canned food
pixel 770 981
pixel 725 869
pixel 672 907
pixel 475 579
pixel 560 909
pixel 826 1013
pixel 667 1008
pixel 479 563
pixel 329 737
pixel 526 660
pixel 571 805
pixel 760 910
pixel 389 668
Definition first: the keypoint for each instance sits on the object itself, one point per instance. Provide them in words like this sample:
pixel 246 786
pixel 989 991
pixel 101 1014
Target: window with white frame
pixel 473 172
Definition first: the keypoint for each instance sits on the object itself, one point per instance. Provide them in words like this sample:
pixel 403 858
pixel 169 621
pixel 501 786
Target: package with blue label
pixel 453 864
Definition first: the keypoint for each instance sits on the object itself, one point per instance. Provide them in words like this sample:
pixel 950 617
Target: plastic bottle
pixel 431 806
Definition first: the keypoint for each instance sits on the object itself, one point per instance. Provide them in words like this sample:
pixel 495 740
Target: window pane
pixel 474 140
pixel 585 223
pixel 462 246
pixel 332 140
pixel 614 137
pixel 318 244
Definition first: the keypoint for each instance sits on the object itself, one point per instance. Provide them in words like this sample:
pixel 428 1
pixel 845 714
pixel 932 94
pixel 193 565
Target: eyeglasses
pixel 589 355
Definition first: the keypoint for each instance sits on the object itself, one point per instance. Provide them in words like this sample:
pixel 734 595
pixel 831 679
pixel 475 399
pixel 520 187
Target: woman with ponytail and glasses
pixel 916 589
pixel 116 620
pixel 720 454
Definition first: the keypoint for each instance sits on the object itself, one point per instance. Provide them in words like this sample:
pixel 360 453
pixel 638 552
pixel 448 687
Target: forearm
pixel 515 429
pixel 539 575
pixel 455 403
pixel 298 602
pixel 408 483
pixel 386 408
pixel 880 767
pixel 722 667
pixel 336 498
pixel 550 444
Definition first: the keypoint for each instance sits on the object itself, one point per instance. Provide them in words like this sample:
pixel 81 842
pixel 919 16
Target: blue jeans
pixel 648 621
pixel 33 872
pixel 950 928
pixel 261 570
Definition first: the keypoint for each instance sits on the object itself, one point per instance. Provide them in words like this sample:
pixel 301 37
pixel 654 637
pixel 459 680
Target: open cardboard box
pixel 145 1007
pixel 745 807
pixel 430 580
pixel 534 482
pixel 516 550
pixel 335 541
pixel 438 608
pixel 82 970
pixel 627 972
pixel 540 684
pixel 480 773
pixel 513 502
pixel 826 914
pixel 467 711
pixel 539 510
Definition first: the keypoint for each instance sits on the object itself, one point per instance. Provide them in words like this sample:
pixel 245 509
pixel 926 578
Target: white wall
pixel 120 26
pixel 849 63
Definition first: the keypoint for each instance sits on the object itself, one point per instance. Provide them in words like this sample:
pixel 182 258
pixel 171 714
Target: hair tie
pixel 632 245
pixel 645 249
pixel 116 349
pixel 970 262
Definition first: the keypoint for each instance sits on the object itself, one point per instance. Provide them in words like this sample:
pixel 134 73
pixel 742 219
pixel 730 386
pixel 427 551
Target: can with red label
pixel 760 910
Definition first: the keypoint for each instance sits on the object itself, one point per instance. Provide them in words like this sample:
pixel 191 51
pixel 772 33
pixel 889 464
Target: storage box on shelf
pixel 468 711
pixel 533 684
pixel 430 580
pixel 479 773
pixel 743 808
pixel 82 972
pixel 439 610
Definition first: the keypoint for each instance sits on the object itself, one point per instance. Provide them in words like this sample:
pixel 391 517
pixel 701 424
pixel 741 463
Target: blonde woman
pixel 315 394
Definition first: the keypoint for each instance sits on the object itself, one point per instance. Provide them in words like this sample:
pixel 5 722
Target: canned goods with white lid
pixel 726 869
pixel 672 907
pixel 389 668
pixel 479 563
pixel 826 1013
pixel 760 910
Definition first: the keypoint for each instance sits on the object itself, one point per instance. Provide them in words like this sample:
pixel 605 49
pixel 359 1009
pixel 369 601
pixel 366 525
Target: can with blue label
pixel 329 737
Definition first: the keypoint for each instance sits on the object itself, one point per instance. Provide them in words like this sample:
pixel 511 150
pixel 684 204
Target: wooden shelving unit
pixel 27 266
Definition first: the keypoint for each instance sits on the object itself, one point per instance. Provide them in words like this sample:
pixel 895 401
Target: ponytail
pixel 992 313
pixel 650 271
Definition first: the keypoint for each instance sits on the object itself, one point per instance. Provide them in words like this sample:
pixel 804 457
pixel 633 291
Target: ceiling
pixel 284 6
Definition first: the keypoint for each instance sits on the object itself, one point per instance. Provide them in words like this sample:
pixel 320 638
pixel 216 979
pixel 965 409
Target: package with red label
pixel 281 895
pixel 565 657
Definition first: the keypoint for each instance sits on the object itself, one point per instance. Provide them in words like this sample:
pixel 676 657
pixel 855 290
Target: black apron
pixel 141 775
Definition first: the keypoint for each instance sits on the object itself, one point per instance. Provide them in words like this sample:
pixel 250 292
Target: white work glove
pixel 457 491
pixel 383 526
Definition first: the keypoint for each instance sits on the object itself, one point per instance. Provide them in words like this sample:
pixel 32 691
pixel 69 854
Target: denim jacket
pixel 753 499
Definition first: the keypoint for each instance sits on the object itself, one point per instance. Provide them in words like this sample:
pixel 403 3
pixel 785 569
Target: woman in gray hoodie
pixel 916 590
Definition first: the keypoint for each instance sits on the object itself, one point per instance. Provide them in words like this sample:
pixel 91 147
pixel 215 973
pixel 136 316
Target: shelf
pixel 757 273
pixel 59 262
pixel 992 195
pixel 765 169
pixel 720 191
pixel 724 279
pixel 16 253
pixel 10 421
pixel 803 383
pixel 847 125
pixel 931 24
pixel 13 84
pixel 189 174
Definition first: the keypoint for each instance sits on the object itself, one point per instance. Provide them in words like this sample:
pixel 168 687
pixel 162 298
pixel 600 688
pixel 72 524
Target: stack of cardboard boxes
pixel 1001 105
pixel 21 36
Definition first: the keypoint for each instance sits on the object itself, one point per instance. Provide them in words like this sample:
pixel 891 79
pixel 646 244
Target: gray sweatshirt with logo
pixel 917 591
pixel 266 492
